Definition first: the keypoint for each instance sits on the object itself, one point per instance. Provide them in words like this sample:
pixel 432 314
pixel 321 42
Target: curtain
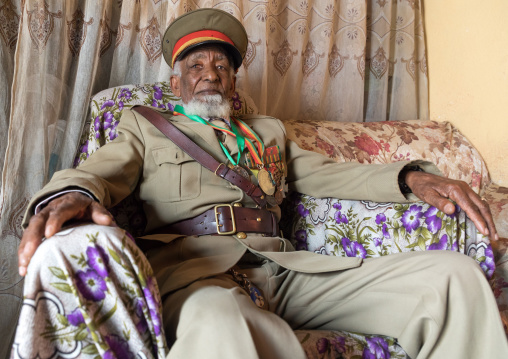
pixel 342 60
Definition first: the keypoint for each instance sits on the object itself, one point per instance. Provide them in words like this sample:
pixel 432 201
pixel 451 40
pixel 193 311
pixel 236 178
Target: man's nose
pixel 210 74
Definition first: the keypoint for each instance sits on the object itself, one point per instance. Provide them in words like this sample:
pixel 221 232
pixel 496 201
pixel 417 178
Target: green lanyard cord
pixel 240 138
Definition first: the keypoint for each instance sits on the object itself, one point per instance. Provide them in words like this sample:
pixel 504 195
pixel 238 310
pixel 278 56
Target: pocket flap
pixel 173 155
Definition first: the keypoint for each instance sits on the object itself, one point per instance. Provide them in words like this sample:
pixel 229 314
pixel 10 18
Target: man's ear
pixel 175 85
pixel 233 86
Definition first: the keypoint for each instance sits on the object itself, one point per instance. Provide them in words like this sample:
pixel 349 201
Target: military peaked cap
pixel 204 26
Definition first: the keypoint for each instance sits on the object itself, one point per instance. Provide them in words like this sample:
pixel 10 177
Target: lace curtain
pixel 343 60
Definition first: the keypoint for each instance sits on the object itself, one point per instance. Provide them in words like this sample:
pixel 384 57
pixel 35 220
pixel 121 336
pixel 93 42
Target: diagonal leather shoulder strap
pixel 201 156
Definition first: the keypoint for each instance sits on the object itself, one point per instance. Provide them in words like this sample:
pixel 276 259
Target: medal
pixel 265 182
pixel 271 201
pixel 256 296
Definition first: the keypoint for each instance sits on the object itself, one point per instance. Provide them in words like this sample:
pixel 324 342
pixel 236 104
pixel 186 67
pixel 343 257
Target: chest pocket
pixel 178 175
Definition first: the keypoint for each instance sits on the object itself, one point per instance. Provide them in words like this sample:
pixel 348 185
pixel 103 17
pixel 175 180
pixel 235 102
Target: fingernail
pixel 496 237
pixel 22 271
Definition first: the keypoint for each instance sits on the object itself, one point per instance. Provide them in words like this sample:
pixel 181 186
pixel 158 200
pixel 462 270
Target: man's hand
pixel 48 221
pixel 438 191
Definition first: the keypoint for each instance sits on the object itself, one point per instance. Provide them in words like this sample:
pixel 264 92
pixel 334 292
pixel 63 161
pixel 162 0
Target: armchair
pixel 348 228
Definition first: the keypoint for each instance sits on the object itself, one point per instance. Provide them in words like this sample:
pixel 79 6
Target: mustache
pixel 209 106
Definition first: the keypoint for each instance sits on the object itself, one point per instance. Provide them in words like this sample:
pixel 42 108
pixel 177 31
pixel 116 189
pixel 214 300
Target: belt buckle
pixel 233 220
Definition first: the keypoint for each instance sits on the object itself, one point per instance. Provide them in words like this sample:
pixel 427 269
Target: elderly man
pixel 230 287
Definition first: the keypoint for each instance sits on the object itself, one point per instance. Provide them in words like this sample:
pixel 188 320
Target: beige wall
pixel 467 44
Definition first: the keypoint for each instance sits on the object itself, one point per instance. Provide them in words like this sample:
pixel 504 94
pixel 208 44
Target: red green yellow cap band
pixel 196 38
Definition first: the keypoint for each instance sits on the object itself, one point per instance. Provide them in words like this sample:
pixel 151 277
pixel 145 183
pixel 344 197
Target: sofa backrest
pixel 388 141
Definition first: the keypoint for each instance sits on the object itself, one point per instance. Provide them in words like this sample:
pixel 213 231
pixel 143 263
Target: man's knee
pixel 452 263
pixel 447 269
pixel 74 241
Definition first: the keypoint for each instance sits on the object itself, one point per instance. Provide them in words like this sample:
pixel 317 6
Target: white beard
pixel 210 106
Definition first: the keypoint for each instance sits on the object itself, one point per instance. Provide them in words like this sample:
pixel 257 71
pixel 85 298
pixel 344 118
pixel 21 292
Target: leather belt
pixel 225 219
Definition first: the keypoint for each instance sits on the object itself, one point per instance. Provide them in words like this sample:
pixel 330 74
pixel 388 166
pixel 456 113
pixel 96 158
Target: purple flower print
pixel 154 103
pixel 157 93
pixel 84 148
pixel 339 343
pixel 91 285
pixel 120 105
pixel 353 249
pixel 322 345
pixel 386 234
pixel 441 245
pixel 112 133
pixel 119 347
pixel 302 211
pixel 341 218
pixel 98 260
pixel 125 93
pixel 142 326
pixel 455 246
pixel 488 265
pixel 337 206
pixel 235 96
pixel 97 123
pixel 377 348
pixel 153 305
pixel 378 242
pixel 108 120
pixel 170 106
pixel 411 218
pixel 301 240
pixel 380 218
pixel 108 103
pixel 431 212
pixel 76 317
pixel 237 105
pixel 434 223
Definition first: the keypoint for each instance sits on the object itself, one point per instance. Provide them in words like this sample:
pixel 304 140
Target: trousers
pixel 437 305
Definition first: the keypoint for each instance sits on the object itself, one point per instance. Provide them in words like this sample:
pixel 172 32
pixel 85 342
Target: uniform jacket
pixel 172 187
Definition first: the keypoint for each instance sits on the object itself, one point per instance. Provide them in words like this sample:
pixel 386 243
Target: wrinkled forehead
pixel 219 52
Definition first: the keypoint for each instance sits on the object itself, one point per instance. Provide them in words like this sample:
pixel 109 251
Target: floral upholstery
pixel 320 224
pixel 348 228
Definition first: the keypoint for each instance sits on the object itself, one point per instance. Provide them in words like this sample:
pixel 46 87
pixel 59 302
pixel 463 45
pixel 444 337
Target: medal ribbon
pixel 252 136
pixel 241 140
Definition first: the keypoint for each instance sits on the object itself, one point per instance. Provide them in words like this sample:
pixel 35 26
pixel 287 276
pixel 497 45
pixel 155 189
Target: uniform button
pixel 241 235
